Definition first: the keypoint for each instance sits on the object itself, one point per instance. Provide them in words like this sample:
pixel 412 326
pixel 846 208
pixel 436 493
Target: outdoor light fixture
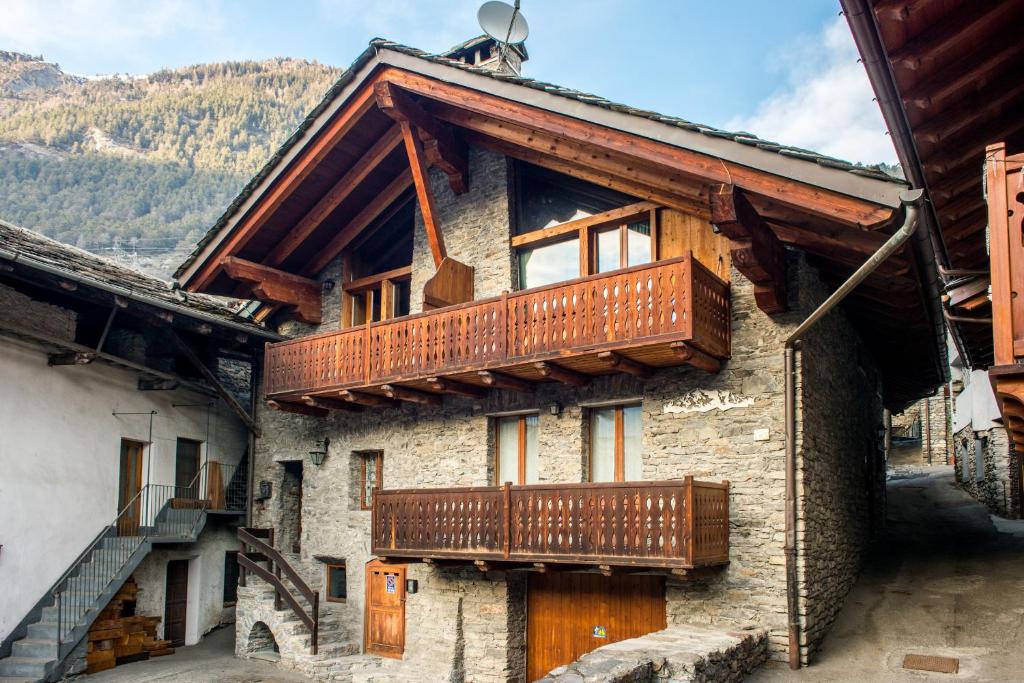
pixel 555 408
pixel 317 455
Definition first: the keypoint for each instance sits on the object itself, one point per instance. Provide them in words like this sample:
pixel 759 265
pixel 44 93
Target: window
pixel 372 469
pixel 515 447
pixel 550 263
pixel 376 297
pixel 615 434
pixel 230 577
pixel 337 589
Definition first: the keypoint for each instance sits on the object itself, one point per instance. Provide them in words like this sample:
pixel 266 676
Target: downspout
pixel 911 201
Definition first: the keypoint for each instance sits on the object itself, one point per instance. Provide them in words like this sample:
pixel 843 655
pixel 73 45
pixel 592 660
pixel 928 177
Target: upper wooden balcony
pixel 680 525
pixel 633 320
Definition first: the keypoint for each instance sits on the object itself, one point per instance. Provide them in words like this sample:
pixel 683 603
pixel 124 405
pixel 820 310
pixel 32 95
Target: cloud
pixel 826 104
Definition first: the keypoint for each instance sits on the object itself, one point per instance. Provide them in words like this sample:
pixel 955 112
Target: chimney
pixel 484 51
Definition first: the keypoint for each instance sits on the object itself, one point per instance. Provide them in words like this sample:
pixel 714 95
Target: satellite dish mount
pixel 505 23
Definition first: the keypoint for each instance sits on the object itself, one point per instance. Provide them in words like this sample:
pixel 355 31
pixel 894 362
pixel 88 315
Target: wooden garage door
pixel 567 615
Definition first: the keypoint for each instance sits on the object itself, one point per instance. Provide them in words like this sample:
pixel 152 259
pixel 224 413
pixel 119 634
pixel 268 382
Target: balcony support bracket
pixel 627 365
pixel 364 399
pixel 330 403
pixel 450 386
pixel 508 382
pixel 562 374
pixel 401 393
pixel 298 408
pixel 695 357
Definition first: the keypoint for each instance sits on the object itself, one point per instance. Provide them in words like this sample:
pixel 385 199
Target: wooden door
pixel 568 615
pixel 128 506
pixel 176 602
pixel 384 629
pixel 186 465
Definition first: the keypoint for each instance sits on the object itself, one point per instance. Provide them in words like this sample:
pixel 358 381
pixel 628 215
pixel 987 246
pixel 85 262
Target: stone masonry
pixel 991 481
pixel 928 420
pixel 467 626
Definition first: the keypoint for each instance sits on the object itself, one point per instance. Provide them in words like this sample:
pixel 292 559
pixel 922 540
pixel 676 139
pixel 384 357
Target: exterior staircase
pixel 42 647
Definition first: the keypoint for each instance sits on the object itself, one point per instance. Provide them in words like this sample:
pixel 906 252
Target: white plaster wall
pixel 59 460
pixel 205 608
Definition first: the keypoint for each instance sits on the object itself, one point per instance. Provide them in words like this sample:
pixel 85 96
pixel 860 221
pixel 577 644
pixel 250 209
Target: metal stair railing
pixel 257 546
pixel 151 513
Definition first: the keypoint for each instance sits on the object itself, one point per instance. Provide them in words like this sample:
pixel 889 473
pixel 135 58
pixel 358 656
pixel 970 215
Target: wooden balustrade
pixel 669 524
pixel 639 310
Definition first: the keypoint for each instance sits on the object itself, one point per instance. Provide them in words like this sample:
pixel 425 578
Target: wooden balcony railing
pixel 640 310
pixel 667 524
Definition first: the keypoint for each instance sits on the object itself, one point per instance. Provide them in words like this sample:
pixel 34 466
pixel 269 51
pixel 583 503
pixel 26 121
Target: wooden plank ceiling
pixel 957 66
pixel 357 167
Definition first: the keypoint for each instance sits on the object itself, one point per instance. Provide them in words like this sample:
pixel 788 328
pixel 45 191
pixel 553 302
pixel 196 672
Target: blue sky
pixel 783 70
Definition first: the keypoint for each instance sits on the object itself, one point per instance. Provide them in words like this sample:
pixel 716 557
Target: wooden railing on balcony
pixel 659 303
pixel 669 524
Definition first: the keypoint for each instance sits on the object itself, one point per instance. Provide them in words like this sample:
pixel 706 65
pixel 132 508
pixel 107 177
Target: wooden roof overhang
pixel 350 167
pixel 947 74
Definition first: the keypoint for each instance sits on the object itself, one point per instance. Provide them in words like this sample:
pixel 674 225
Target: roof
pixel 379 44
pixel 22 245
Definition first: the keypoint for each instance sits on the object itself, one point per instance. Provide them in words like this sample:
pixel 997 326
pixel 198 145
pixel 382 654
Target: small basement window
pixel 337 588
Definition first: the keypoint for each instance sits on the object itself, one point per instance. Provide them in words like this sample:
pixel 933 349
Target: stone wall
pixel 929 421
pixel 991 481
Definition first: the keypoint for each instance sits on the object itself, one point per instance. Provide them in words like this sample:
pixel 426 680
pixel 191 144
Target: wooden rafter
pixel 706 168
pixel 424 192
pixel 756 251
pixel 561 374
pixel 365 399
pixel 278 287
pixel 621 363
pixel 400 393
pixel 450 386
pixel 963 27
pixel 442 147
pixel 500 380
pixel 330 403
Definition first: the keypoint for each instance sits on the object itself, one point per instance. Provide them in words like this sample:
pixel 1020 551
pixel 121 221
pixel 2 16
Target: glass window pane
pixel 602 445
pixel 552 263
pixel 638 243
pixel 508 450
pixel 374 295
pixel 403 292
pixel 631 440
pixel 608 251
pixel 338 591
pixel 531 449
pixel 370 463
pixel 358 309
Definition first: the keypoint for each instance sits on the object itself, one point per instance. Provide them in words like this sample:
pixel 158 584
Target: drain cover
pixel 942 665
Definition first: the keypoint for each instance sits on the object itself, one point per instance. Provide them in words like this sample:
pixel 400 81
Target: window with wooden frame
pixel 515 449
pixel 336 581
pixel 371 468
pixel 615 443
pixel 376 297
pixel 611 240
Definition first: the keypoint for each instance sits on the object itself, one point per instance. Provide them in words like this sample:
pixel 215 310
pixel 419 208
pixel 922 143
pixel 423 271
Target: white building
pixel 119 454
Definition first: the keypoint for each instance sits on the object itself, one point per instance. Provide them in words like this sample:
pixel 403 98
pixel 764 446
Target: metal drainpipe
pixel 911 201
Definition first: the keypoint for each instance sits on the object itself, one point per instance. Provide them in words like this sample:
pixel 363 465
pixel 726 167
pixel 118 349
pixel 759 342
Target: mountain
pixel 138 167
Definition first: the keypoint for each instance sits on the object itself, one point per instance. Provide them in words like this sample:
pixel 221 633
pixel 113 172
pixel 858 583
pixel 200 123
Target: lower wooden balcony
pixel 633 320
pixel 679 525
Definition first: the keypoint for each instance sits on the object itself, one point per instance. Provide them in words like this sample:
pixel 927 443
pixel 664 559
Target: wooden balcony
pixel 633 320
pixel 659 524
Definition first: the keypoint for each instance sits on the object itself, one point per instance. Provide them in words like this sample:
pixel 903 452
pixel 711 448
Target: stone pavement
pixel 944 579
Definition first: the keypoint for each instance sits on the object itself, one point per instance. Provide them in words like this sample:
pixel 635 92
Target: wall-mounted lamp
pixel 555 408
pixel 328 285
pixel 319 452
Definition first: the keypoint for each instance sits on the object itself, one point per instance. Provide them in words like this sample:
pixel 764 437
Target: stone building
pixel 535 395
pixel 922 433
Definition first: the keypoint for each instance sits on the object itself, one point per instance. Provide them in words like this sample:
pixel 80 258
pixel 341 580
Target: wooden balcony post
pixel 691 517
pixel 507 516
pixel 999 245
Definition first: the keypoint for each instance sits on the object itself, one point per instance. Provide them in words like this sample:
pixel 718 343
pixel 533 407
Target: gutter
pixel 912 201
pixel 128 293
pixel 928 245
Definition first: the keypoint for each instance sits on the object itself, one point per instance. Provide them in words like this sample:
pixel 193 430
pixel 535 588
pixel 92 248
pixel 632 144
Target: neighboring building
pixel 534 399
pixel 118 455
pixel 947 76
pixel 922 433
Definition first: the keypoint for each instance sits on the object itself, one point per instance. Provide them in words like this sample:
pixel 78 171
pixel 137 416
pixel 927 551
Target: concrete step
pixel 42 630
pixel 17 679
pixel 24 666
pixel 35 648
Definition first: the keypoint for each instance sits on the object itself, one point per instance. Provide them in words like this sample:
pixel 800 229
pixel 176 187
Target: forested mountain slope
pixel 138 167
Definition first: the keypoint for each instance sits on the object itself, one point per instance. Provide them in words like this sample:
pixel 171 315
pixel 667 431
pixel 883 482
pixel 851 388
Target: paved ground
pixel 213 660
pixel 942 580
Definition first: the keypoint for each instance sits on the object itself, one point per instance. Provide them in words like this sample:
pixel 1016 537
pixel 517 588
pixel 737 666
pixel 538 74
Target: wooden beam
pixel 695 357
pixel 278 287
pixel 424 192
pixel 267 204
pixel 944 122
pixel 450 386
pixel 954 33
pixel 364 399
pixel 297 408
pixel 562 374
pixel 756 251
pixel 330 403
pixel 443 148
pixel 71 358
pixel 335 196
pixel 483 565
pixel 709 169
pixel 500 380
pixel 208 375
pixel 836 250
pixel 623 364
pixel 383 199
pixel 401 393
pixel 968 72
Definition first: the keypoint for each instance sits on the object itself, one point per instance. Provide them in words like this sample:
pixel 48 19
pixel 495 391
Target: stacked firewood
pixel 119 636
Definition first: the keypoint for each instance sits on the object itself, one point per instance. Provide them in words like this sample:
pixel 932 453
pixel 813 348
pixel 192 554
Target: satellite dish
pixel 503 22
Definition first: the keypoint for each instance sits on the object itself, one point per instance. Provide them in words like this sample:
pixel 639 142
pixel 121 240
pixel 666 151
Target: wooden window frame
pixel 336 564
pixel 521 421
pixel 378 460
pixel 379 284
pixel 585 231
pixel 619 436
